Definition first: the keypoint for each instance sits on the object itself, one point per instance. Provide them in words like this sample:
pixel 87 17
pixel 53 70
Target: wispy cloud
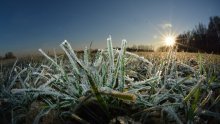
pixel 155 37
pixel 166 25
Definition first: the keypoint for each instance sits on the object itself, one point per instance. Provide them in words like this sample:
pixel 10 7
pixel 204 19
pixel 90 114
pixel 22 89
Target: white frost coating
pixel 139 58
pixel 63 46
pixel 109 38
pixel 111 61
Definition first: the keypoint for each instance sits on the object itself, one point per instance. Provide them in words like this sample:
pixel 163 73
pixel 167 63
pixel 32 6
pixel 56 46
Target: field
pixel 111 86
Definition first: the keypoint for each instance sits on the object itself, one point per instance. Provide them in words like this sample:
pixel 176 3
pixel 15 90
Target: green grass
pixel 159 87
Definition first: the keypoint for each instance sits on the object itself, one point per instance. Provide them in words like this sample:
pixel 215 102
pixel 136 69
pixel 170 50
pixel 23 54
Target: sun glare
pixel 170 40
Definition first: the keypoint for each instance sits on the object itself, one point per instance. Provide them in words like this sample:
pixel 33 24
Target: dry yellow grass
pixel 183 56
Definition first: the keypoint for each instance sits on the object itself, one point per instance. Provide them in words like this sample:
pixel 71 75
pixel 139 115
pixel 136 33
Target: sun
pixel 170 40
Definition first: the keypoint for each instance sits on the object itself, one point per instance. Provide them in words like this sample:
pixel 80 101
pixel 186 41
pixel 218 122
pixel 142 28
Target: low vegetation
pixel 112 86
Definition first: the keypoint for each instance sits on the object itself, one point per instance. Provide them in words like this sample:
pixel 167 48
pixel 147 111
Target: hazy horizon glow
pixel 26 26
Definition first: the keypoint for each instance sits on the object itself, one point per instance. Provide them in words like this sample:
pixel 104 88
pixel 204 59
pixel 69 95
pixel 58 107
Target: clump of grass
pixel 60 85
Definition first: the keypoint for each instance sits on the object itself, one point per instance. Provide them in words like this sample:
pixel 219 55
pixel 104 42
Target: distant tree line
pixel 8 55
pixel 201 38
pixel 163 49
pixel 140 48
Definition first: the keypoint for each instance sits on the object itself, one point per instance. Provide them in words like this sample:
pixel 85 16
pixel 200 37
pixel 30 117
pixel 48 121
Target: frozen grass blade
pixel 147 81
pixel 110 51
pixel 74 116
pixel 210 114
pixel 55 63
pixel 172 114
pixel 194 89
pixel 98 58
pixel 111 62
pixel 119 95
pixel 9 78
pixel 49 58
pixel 204 102
pixel 178 83
pixel 55 55
pixel 122 66
pixel 207 98
pixel 216 101
pixel 65 47
pixel 86 57
pixel 13 82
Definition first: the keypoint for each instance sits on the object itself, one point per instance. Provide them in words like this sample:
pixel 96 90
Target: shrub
pixel 9 55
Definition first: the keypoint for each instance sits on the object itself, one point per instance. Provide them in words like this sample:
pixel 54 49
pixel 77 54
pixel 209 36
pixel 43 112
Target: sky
pixel 27 25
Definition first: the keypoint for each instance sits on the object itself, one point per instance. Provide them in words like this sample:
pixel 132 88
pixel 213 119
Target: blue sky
pixel 26 25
